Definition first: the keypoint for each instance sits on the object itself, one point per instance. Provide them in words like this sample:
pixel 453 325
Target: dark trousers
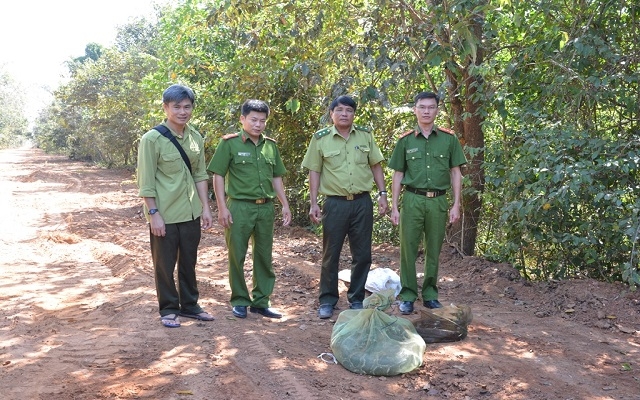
pixel 179 245
pixel 345 218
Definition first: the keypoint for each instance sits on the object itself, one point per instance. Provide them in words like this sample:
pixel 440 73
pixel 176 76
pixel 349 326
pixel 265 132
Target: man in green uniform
pixel 426 161
pixel 344 162
pixel 248 169
pixel 176 202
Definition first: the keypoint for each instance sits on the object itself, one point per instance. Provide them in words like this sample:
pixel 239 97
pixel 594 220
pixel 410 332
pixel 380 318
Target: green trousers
pixel 251 222
pixel 178 247
pixel 421 219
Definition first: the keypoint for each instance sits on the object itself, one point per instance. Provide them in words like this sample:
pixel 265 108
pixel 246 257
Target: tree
pixel 13 122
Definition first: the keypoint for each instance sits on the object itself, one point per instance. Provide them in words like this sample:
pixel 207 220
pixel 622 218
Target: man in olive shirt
pixel 176 203
pixel 343 162
pixel 250 166
pixel 426 161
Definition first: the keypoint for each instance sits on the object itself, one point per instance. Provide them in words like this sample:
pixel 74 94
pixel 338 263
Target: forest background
pixel 544 96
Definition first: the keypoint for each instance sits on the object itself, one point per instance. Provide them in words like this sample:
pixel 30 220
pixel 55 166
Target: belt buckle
pixel 431 194
pixel 349 197
pixel 260 201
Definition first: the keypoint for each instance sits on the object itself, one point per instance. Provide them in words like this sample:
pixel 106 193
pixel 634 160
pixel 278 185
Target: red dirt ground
pixel 79 316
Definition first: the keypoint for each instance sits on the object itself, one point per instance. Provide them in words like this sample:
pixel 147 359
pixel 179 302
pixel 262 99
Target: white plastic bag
pixel 379 279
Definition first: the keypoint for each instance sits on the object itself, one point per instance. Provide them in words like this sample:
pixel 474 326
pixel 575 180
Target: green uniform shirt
pixel 248 168
pixel 426 163
pixel 344 164
pixel 162 174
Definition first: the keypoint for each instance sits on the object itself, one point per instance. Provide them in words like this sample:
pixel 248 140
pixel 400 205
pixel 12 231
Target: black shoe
pixel 325 311
pixel 240 311
pixel 406 307
pixel 432 304
pixel 267 312
pixel 356 305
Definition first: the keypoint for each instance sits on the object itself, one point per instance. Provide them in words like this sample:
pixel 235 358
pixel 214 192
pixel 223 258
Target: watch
pixel 153 211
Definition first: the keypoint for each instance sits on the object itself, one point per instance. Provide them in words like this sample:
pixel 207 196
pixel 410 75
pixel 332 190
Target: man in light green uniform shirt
pixel 248 172
pixel 344 162
pixel 176 202
pixel 427 163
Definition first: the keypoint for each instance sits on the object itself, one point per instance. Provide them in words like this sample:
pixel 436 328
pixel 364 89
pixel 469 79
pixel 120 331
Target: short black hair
pixel 426 95
pixel 344 100
pixel 178 93
pixel 254 105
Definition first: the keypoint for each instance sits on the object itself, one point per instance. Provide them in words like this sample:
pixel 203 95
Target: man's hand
pixel 157 225
pixel 315 214
pixel 286 216
pixel 383 205
pixel 207 218
pixel 454 214
pixel 395 216
pixel 224 217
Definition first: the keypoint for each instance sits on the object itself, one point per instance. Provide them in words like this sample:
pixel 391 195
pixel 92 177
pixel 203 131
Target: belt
pixel 256 201
pixel 426 193
pixel 351 196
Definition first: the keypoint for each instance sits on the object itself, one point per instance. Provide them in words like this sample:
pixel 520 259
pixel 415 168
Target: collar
pixel 245 136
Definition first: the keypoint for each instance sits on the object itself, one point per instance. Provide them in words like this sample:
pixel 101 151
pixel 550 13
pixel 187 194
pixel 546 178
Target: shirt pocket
pixel 269 164
pixel 239 160
pixel 170 163
pixel 414 160
pixel 334 159
pixel 441 161
pixel 362 155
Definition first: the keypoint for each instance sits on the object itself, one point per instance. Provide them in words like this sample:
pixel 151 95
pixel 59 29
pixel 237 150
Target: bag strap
pixel 164 131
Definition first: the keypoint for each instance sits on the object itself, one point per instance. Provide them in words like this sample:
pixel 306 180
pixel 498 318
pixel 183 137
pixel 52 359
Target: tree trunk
pixel 463 89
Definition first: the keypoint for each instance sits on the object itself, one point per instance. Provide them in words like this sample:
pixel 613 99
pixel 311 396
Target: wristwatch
pixel 153 211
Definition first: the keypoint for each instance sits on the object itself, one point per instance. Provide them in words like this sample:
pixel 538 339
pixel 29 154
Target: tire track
pixel 290 385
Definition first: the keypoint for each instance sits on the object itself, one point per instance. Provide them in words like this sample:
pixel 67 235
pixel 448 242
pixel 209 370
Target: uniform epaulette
pixel 407 133
pixel 230 136
pixel 362 128
pixel 322 132
pixel 270 138
pixel 447 130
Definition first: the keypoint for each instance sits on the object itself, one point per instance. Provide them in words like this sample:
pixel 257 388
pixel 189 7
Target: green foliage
pixel 13 122
pixel 563 173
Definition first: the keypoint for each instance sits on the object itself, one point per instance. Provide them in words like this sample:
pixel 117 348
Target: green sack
pixel 369 341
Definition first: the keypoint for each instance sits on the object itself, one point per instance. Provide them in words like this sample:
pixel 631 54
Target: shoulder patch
pixel 407 133
pixel 322 132
pixel 447 130
pixel 270 138
pixel 362 128
pixel 230 136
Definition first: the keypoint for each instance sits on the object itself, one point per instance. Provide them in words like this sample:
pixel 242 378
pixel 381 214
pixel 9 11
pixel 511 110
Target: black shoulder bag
pixel 164 131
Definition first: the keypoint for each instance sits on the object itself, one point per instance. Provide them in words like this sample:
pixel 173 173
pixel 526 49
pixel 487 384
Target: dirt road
pixel 79 317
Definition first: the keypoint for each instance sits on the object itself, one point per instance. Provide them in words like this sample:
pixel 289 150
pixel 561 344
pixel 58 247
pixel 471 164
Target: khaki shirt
pixel 248 168
pixel 344 164
pixel 162 174
pixel 427 162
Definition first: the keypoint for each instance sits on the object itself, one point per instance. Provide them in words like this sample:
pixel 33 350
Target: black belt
pixel 426 193
pixel 257 201
pixel 351 196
